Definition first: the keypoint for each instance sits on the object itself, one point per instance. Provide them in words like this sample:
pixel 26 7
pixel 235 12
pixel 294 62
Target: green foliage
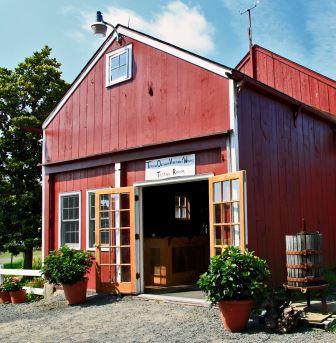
pixel 66 266
pixel 27 96
pixel 330 275
pixel 12 284
pixel 234 275
pixel 18 264
pixel 37 282
pixel 33 297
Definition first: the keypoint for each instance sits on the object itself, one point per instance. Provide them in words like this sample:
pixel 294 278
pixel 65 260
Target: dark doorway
pixel 176 235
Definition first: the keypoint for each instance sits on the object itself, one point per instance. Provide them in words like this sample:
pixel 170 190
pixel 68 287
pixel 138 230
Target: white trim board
pixel 165 47
pixel 87 213
pixel 79 193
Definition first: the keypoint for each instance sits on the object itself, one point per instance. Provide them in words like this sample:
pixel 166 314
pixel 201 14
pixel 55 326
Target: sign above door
pixel 168 167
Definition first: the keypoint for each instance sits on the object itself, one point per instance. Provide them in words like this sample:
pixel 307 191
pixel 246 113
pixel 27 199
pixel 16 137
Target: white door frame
pixel 138 191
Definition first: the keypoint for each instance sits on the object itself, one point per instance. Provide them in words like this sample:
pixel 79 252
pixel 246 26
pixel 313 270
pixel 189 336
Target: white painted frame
pixel 115 53
pixel 87 217
pixel 232 146
pixel 73 246
pixel 139 229
pixel 162 46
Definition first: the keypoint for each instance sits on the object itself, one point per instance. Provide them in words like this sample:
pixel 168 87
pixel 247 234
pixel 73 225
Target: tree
pixel 27 95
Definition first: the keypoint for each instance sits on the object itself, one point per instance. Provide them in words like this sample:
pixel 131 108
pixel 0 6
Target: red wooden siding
pixel 81 181
pixel 187 101
pixel 291 78
pixel 291 174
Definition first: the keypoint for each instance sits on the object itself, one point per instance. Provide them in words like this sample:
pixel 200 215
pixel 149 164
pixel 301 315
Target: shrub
pixel 234 275
pixel 66 266
pixel 37 282
pixel 33 297
pixel 12 284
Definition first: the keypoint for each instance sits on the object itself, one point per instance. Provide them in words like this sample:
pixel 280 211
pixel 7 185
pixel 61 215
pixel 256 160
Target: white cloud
pixel 77 36
pixel 177 23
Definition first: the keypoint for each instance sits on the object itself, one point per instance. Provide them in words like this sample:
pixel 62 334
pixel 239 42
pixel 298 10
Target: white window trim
pixel 60 195
pixel 115 53
pixel 87 217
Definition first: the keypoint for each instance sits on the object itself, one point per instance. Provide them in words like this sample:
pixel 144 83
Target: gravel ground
pixel 105 319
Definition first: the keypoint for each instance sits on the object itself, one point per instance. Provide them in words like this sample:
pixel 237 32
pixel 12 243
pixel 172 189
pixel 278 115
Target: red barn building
pixel 157 158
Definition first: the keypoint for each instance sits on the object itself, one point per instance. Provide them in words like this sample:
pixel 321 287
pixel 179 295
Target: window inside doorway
pixel 69 204
pixel 182 207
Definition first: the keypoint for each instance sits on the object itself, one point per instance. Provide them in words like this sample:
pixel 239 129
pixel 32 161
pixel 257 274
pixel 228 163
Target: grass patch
pixel 6 255
pixel 15 265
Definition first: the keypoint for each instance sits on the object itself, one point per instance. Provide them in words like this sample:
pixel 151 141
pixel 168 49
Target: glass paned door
pixel 115 240
pixel 227 211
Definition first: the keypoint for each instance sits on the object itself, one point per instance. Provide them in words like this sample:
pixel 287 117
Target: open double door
pixel 116 236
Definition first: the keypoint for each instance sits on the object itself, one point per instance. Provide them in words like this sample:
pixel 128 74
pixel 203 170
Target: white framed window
pixel 119 65
pixel 182 207
pixel 69 219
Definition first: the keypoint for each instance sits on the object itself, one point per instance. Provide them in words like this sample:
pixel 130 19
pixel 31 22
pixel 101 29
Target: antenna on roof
pixel 248 10
pixel 129 19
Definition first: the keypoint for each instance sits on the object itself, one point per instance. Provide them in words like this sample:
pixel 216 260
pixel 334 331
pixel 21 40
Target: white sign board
pixel 167 167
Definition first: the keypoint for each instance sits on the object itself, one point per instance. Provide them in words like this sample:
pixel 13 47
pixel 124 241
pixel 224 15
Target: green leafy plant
pixel 35 283
pixel 12 284
pixel 33 297
pixel 66 266
pixel 234 275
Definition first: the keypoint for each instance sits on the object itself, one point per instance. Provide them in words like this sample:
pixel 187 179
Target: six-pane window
pixel 70 220
pixel 119 65
pixel 182 207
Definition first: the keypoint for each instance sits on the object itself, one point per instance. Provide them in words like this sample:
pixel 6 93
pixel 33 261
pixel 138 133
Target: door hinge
pixel 137 236
pixel 137 275
pixel 136 197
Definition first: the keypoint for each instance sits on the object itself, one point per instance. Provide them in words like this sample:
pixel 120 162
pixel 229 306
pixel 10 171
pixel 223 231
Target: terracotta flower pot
pixel 4 297
pixel 235 314
pixel 18 297
pixel 76 293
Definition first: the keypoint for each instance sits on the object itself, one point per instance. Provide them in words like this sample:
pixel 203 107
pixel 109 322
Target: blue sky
pixel 304 31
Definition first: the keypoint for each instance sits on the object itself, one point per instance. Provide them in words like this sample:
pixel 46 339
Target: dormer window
pixel 119 65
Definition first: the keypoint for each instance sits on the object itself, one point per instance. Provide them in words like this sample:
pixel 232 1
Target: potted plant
pixel 4 295
pixel 68 267
pixel 13 285
pixel 234 280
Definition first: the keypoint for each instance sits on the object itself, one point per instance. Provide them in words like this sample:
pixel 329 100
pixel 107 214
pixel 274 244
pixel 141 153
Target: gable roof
pixel 308 71
pixel 291 78
pixel 156 43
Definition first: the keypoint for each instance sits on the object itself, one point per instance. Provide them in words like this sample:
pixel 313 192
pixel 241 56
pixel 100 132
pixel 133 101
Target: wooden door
pixel 227 211
pixel 115 240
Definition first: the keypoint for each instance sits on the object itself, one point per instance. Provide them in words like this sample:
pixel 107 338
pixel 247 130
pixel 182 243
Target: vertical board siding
pixel 186 101
pixel 292 79
pixel 291 174
pixel 82 180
